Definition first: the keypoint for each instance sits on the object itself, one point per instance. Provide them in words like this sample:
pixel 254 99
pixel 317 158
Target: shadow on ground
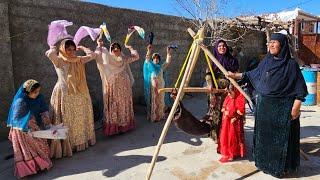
pixel 104 156
pixel 110 157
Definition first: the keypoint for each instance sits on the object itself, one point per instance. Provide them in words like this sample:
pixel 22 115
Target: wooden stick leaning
pixel 304 155
pixel 173 109
pixel 193 89
pixel 198 37
pixel 224 71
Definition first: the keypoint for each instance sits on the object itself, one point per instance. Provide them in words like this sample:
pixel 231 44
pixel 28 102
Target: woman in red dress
pixel 231 140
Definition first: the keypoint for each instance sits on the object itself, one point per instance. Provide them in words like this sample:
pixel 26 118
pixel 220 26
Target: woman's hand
pixel 128 46
pixel 233 120
pixel 169 51
pixel 234 75
pixel 80 48
pixel 295 111
pixel 231 75
pixel 149 47
pixel 202 45
pixel 33 124
pixel 45 118
pixel 212 89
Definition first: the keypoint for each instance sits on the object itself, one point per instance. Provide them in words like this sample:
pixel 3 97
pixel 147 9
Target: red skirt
pixel 231 142
pixel 30 154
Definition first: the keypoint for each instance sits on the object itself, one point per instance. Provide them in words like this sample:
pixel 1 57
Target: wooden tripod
pixel 196 47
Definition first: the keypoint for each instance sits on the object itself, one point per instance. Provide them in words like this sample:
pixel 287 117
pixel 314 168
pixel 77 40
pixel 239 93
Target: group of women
pixel 277 80
pixel 71 104
pixel 280 89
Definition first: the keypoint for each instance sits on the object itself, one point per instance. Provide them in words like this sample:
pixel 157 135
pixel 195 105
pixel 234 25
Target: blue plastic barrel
pixel 310 76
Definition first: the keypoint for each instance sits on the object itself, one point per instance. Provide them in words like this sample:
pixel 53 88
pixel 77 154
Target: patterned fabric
pixel 278 82
pixel 19 113
pixel 38 108
pixel 30 154
pixel 110 65
pixel 23 108
pixel 150 70
pixel 157 100
pixel 276 136
pixel 117 81
pixel 28 84
pixel 215 116
pixel 215 102
pixel 118 106
pixel 71 104
pixel 154 79
pixel 76 74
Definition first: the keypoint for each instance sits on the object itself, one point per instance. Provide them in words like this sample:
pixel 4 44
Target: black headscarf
pixel 278 76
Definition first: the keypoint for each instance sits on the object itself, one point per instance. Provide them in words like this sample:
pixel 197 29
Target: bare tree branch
pixel 208 13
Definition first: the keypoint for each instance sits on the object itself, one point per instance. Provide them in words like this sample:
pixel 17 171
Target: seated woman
pixel 153 70
pixel 231 142
pixel 28 112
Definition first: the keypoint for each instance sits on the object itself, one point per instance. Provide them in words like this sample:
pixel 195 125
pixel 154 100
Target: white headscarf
pixel 114 65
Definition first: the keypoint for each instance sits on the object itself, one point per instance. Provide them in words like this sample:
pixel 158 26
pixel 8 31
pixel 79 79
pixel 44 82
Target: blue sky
pixel 233 7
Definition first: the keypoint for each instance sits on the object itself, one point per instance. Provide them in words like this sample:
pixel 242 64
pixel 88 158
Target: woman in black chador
pixel 281 89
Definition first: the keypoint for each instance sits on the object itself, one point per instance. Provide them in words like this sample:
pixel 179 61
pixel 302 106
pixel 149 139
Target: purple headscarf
pixel 227 60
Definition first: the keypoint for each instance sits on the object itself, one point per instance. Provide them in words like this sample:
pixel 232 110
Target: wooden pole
pixel 199 37
pixel 225 72
pixel 170 117
pixel 304 155
pixel 193 89
pixel 191 32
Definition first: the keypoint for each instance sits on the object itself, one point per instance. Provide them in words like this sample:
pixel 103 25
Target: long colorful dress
pixel 231 142
pixel 71 103
pixel 117 81
pixel 30 154
pixel 153 75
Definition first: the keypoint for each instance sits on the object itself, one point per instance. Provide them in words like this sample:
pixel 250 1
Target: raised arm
pixel 89 54
pixel 52 54
pixel 168 59
pixel 100 48
pixel 149 52
pixel 134 56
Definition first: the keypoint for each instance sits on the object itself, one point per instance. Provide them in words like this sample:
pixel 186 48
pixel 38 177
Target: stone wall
pixel 26 22
pixel 6 72
pixel 253 47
